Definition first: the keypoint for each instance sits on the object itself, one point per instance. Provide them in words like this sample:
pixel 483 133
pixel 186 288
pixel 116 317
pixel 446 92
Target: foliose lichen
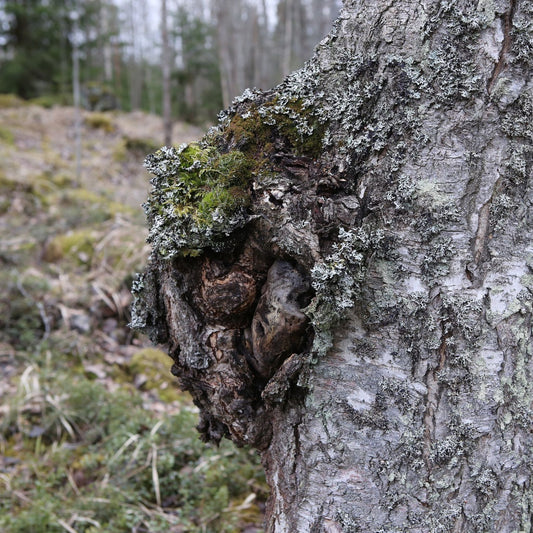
pixel 338 280
pixel 521 36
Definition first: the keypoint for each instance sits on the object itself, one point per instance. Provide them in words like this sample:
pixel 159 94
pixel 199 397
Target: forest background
pixel 217 49
pixel 94 436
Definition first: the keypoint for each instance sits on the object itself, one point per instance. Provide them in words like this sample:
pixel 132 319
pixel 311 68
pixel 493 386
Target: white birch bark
pixel 165 67
pixel 419 418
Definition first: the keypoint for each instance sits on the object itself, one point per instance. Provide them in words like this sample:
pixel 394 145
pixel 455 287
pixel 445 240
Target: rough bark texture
pixel 358 303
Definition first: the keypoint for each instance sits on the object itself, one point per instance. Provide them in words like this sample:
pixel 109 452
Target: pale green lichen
pixel 521 36
pixel 516 121
pixel 349 523
pixel 146 309
pixel 465 315
pixel 338 280
pixel 436 260
pixel 485 481
pixel 398 391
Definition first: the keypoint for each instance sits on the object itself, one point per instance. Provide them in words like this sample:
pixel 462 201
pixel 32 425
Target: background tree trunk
pixel 288 21
pixel 391 205
pixel 230 53
pixel 165 67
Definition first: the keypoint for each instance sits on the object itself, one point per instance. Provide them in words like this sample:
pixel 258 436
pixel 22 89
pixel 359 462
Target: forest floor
pixel 94 435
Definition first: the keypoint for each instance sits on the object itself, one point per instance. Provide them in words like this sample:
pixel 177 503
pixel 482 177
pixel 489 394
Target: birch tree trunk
pixel 165 68
pixel 287 37
pixel 230 47
pixel 358 302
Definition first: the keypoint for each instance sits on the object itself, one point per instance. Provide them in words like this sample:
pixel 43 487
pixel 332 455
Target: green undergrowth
pixel 133 145
pixel 10 100
pixel 76 453
pixel 6 136
pixel 102 121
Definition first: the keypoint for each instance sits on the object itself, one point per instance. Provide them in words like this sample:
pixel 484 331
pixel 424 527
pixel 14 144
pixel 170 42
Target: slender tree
pixel 165 67
pixel 76 91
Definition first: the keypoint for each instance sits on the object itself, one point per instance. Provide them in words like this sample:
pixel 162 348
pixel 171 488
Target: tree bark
pixel 287 38
pixel 165 67
pixel 363 316
pixel 230 47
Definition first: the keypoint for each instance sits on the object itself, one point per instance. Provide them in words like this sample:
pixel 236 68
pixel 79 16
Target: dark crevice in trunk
pixel 506 45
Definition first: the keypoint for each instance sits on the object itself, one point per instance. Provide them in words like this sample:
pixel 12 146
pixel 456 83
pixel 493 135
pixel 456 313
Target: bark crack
pixel 506 45
pixel 482 233
pixel 297 455
pixel 433 397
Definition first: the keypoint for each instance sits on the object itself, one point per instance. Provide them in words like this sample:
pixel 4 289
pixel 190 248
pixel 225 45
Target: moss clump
pixel 84 197
pixel 200 196
pixel 8 185
pixel 256 130
pixel 152 367
pixel 83 207
pixel 133 145
pixel 10 100
pixel 138 144
pixel 78 244
pixel 49 100
pixel 100 121
pixel 6 136
pixel 21 322
pixel 32 195
pixel 300 127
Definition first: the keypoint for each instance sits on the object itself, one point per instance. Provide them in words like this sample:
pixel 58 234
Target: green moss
pixel 135 145
pixel 153 366
pixel 77 244
pixel 32 193
pixel 255 130
pixel 249 132
pixel 7 185
pixel 114 447
pixel 62 180
pixel 119 151
pixel 48 101
pixel 101 121
pixel 200 196
pixel 301 128
pixel 86 206
pixel 21 322
pixel 140 145
pixel 6 136
pixel 10 100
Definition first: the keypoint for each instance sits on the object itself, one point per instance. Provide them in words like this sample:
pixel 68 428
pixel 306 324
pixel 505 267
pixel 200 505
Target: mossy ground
pixel 94 436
